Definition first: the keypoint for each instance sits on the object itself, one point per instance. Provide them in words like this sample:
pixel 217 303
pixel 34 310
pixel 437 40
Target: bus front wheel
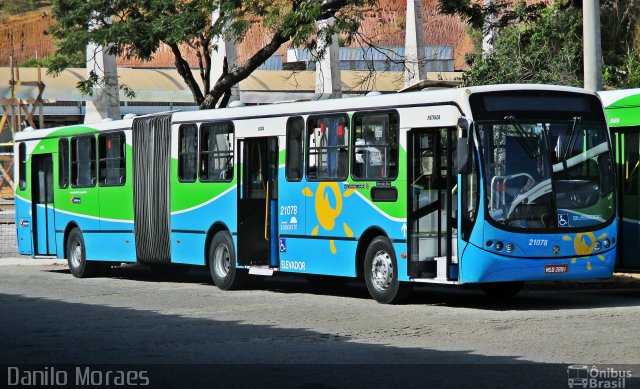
pixel 77 256
pixel 222 263
pixel 381 273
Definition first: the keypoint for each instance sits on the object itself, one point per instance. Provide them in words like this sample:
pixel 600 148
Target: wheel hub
pixel 382 270
pixel 222 260
pixel 76 254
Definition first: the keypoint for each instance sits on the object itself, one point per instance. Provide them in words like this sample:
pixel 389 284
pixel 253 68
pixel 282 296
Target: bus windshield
pixel 542 174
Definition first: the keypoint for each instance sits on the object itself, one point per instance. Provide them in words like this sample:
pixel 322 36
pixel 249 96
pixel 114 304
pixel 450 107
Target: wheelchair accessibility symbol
pixel 563 220
pixel 283 245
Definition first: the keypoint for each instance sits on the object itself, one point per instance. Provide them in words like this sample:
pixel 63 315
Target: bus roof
pixel 457 96
pixel 620 98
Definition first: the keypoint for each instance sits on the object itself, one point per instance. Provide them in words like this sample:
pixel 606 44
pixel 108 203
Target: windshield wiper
pixel 572 136
pixel 523 134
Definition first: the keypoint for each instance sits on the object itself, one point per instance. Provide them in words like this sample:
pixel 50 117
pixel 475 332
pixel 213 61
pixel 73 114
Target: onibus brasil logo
pixel 581 376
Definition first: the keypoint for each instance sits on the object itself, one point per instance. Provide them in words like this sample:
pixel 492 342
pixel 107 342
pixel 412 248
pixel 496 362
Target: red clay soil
pixel 22 36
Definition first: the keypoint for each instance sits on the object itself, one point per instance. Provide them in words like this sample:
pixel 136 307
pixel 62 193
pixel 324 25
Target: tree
pixel 137 28
pixel 544 49
pixel 540 44
pixel 534 44
pixel 621 43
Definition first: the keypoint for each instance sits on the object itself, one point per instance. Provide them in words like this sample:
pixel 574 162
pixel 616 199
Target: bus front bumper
pixel 480 265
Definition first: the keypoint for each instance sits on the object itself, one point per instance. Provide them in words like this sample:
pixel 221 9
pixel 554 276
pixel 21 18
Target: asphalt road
pixel 285 332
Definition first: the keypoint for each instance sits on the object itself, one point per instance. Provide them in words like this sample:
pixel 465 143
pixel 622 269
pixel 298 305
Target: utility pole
pixel 328 81
pixel 414 44
pixel 223 50
pixel 105 103
pixel 592 48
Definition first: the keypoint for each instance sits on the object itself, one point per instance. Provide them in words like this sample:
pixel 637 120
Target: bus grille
pixel 151 180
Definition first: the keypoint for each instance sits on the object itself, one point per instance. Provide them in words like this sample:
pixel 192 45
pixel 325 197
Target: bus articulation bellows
pixel 494 185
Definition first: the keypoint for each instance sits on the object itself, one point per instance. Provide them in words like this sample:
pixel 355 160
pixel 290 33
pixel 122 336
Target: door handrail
pixel 266 213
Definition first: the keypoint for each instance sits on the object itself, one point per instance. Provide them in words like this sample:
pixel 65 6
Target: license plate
pixel 554 269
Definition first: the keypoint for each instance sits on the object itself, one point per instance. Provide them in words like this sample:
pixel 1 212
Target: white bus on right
pixel 622 108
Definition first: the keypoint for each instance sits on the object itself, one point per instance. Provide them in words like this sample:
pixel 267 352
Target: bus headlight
pixel 498 246
pixel 509 247
pixel 597 246
pixel 606 243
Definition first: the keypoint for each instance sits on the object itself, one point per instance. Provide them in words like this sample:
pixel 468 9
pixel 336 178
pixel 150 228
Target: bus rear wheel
pixel 77 256
pixel 381 273
pixel 222 263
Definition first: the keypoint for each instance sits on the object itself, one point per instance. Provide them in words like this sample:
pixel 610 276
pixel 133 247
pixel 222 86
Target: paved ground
pixel 284 327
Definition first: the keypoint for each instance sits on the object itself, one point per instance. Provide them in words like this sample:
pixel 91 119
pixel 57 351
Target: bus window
pixel 63 163
pixel 187 153
pixel 294 162
pixel 216 152
pixel 327 142
pixel 375 149
pixel 83 161
pixel 22 165
pixel 111 149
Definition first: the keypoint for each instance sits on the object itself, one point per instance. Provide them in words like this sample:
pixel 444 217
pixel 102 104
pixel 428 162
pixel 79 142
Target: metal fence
pixel 8 243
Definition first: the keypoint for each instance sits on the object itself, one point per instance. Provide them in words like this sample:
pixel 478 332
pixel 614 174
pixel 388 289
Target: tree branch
pixel 185 72
pixel 228 79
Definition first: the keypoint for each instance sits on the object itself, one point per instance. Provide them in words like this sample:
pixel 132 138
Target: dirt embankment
pixel 23 36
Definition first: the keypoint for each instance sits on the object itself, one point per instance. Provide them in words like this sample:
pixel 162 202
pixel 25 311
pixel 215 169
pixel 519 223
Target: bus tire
pixel 502 290
pixel 77 256
pixel 222 263
pixel 381 273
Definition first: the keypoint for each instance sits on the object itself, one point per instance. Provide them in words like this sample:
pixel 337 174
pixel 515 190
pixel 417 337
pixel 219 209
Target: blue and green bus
pixel 623 112
pixel 494 185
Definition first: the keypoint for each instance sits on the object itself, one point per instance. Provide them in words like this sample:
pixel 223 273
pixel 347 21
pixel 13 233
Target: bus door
pixel 628 146
pixel 432 202
pixel 258 202
pixel 42 207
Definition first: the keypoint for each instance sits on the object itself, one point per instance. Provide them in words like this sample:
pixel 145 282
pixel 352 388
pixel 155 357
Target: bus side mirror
pixel 464 146
pixel 463 156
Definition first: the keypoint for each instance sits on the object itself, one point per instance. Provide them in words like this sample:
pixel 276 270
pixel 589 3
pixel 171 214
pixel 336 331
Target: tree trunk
pixel 229 79
pixel 184 70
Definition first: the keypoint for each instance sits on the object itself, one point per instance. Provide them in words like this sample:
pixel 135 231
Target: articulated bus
pixel 623 111
pixel 495 185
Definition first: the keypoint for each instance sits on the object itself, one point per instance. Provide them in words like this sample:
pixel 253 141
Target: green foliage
pixel 501 11
pixel 621 43
pixel 539 44
pixel 625 74
pixel 76 60
pixel 545 49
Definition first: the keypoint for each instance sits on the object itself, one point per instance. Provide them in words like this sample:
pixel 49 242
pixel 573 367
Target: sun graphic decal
pixel 327 210
pixel 584 244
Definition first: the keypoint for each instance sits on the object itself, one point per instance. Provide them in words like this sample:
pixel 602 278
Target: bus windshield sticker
pixel 563 220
